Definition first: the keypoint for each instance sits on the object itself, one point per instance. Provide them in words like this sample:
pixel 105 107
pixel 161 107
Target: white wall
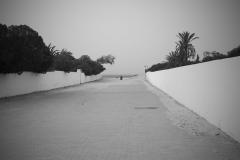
pixel 85 79
pixel 27 82
pixel 211 89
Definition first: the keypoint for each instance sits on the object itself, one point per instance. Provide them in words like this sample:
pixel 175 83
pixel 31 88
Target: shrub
pixel 159 66
pixel 64 61
pixel 209 56
pixel 22 49
pixel 106 59
pixel 234 52
pixel 88 66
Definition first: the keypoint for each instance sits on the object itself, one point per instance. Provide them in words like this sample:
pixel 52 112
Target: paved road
pixel 107 120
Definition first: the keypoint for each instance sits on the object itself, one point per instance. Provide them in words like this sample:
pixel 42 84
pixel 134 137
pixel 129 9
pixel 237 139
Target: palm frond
pixel 184 47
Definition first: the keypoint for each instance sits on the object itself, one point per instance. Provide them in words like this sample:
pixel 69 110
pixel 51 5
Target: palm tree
pixel 184 47
pixel 52 50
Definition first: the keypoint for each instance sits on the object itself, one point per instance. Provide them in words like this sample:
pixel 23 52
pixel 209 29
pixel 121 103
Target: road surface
pixel 108 120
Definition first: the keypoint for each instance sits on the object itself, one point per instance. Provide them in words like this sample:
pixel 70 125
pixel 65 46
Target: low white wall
pixel 28 82
pixel 85 79
pixel 210 89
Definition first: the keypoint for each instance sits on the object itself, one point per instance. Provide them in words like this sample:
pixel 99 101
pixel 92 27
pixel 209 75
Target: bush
pixel 234 52
pixel 209 56
pixel 106 59
pixel 88 66
pixel 64 61
pixel 22 49
pixel 159 66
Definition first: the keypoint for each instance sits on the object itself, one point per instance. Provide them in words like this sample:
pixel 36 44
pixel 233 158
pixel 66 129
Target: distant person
pixel 121 77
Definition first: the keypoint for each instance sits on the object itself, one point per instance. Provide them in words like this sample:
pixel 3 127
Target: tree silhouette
pixel 23 49
pixel 184 46
pixel 88 66
pixel 64 61
pixel 106 59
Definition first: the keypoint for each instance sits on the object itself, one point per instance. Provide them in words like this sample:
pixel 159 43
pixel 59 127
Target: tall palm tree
pixel 184 47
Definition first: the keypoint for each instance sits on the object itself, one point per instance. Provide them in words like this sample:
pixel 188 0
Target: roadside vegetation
pixel 185 54
pixel 23 49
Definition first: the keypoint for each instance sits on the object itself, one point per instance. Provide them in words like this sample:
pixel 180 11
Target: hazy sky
pixel 136 32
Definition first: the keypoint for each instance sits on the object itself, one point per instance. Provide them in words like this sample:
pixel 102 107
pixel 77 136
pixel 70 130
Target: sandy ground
pixel 108 120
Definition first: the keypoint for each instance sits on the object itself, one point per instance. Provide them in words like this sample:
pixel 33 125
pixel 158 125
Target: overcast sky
pixel 136 32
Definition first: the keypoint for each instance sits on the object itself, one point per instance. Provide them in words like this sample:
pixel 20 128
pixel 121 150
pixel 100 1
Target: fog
pixel 137 33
